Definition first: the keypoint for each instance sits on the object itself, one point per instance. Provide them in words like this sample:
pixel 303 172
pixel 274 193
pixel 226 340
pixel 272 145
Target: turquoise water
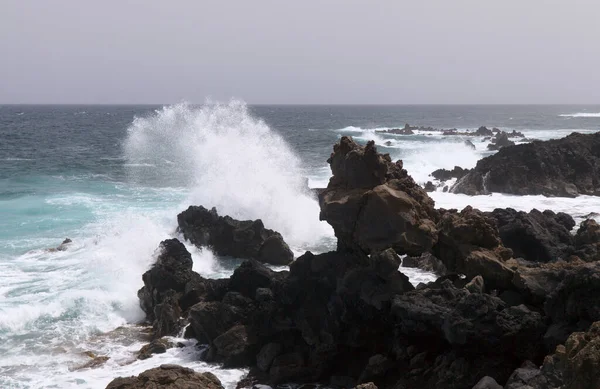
pixel 113 179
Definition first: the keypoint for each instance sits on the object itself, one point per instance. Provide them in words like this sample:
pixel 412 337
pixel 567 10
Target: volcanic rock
pixel 536 236
pixel 247 239
pixel 565 167
pixel 168 377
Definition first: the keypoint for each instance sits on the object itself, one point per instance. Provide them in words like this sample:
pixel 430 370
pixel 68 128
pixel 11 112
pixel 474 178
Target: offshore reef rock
pixel 373 204
pixel 247 239
pixel 565 167
pixel 445 175
pixel 168 377
pixel 500 141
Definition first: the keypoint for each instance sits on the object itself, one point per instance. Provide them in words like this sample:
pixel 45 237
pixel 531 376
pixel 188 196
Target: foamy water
pixel 54 306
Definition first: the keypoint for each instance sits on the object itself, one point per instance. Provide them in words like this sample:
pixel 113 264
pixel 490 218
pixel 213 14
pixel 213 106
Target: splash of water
pixel 229 160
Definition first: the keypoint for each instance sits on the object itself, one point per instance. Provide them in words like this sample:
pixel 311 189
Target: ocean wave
pixel 229 160
pixel 581 115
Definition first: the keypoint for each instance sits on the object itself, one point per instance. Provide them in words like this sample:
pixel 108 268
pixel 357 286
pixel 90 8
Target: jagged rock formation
pixel 247 239
pixel 373 204
pixel 350 317
pixel 445 175
pixel 536 236
pixel 168 377
pixel 500 141
pixel 564 167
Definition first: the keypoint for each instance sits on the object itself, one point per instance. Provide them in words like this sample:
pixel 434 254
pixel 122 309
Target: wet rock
pixel 564 167
pixel 429 187
pixel 95 362
pixel 445 175
pixel 168 377
pixel 484 131
pixel 171 287
pixel 469 144
pixel 500 141
pixel 427 262
pixel 157 346
pixel 62 247
pixel 229 237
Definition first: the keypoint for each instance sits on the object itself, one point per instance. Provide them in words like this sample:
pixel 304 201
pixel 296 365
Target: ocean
pixel 114 178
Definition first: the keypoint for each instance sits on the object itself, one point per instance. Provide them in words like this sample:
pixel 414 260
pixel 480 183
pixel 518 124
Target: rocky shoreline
pixel 516 303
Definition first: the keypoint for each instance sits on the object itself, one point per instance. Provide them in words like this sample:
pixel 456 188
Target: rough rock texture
pixel 469 244
pixel 373 204
pixel 500 141
pixel 445 175
pixel 294 326
pixel 157 346
pixel 247 239
pixel 171 287
pixel 564 167
pixel 427 262
pixel 168 377
pixel 574 365
pixel 587 241
pixel 536 236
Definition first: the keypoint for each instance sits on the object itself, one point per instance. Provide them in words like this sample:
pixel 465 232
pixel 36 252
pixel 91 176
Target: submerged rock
pixel 168 377
pixel 247 239
pixel 564 167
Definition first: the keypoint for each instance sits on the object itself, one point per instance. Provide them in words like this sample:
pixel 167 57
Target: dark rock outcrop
pixel 373 204
pixel 247 239
pixel 171 287
pixel 426 262
pixel 587 241
pixel 445 175
pixel 574 365
pixel 500 141
pixel 168 377
pixel 469 244
pixel 429 187
pixel 483 131
pixel 157 346
pixel 327 310
pixel 536 236
pixel 565 167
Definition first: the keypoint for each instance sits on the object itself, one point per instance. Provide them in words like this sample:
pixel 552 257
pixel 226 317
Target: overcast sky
pixel 285 51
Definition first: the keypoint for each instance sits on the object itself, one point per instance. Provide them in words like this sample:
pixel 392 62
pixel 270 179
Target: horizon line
pixel 309 104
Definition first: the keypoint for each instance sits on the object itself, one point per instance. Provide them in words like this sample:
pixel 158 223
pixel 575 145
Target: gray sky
pixel 284 51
